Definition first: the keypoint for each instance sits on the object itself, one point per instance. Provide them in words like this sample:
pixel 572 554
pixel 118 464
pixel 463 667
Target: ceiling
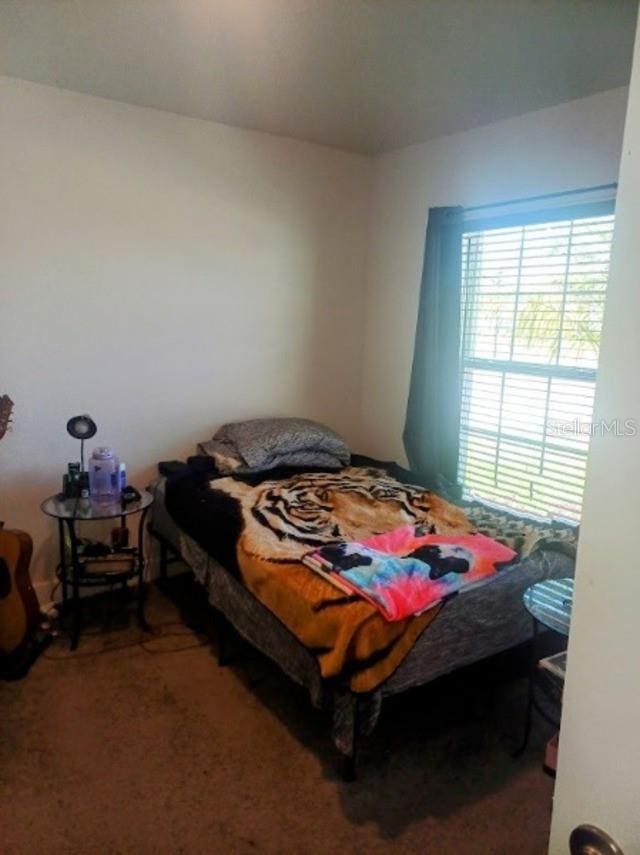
pixel 364 75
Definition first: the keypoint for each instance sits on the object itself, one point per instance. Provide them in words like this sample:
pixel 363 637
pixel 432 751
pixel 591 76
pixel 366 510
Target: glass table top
pixel 550 603
pixel 92 509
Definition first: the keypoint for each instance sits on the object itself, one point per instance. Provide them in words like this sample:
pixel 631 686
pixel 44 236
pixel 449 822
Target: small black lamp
pixel 81 427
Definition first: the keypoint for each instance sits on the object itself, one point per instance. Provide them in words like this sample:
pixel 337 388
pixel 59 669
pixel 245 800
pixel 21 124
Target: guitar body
pixel 19 608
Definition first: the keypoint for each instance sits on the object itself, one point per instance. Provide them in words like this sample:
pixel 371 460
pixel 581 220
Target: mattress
pixel 471 627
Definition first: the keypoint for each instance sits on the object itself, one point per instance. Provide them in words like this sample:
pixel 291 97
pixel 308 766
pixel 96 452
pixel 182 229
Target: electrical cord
pixel 52 593
pixel 142 642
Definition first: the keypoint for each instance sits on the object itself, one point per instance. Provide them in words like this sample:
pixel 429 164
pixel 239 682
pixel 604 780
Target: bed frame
pixel 469 629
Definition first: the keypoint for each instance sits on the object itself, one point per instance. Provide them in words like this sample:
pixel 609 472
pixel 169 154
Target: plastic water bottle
pixel 104 475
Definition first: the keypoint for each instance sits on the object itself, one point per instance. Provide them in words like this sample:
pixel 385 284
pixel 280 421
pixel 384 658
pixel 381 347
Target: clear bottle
pixel 104 475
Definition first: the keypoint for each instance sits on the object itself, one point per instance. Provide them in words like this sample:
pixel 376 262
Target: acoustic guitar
pixel 19 608
pixel 6 408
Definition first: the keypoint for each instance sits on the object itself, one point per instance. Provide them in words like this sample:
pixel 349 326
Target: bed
pixel 470 627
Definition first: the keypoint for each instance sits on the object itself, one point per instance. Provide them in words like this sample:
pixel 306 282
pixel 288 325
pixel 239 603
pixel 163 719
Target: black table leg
pixel 141 563
pixel 75 585
pixel 63 563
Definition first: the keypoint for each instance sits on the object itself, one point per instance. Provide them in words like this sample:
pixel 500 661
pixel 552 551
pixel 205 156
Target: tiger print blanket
pixel 283 519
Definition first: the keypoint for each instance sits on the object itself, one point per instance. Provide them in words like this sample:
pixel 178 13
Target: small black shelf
pixel 76 570
pixel 90 577
pixel 549 603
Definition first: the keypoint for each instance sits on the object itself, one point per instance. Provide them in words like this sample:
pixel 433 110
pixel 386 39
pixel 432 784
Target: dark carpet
pixel 142 744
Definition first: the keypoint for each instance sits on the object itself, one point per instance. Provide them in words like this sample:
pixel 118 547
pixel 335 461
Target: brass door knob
pixel 590 840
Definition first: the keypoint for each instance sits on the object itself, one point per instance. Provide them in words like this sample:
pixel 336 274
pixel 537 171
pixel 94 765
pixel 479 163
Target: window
pixel 532 306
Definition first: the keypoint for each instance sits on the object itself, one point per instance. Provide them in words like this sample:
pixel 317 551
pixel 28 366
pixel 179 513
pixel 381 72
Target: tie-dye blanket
pixel 406 571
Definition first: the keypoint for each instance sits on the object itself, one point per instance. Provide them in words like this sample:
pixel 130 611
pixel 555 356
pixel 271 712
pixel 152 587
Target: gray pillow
pixel 260 444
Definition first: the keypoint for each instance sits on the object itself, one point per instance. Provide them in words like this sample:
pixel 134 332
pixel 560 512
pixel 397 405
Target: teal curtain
pixel 433 410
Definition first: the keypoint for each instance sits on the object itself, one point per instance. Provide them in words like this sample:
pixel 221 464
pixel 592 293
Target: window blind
pixel 532 307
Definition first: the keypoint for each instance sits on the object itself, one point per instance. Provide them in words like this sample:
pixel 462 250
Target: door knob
pixel 590 840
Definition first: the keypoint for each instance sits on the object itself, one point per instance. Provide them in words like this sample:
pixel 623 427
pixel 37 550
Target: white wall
pixel 165 275
pixel 599 761
pixel 573 145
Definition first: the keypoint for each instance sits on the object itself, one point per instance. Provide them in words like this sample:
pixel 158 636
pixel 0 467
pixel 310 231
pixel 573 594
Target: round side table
pixel 549 604
pixel 108 567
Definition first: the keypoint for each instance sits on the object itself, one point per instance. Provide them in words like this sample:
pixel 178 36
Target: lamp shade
pixel 81 427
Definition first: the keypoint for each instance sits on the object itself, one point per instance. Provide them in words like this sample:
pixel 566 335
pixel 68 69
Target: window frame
pixel 477 221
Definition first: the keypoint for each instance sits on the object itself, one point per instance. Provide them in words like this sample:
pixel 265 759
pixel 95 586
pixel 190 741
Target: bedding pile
pixel 525 535
pixel 259 445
